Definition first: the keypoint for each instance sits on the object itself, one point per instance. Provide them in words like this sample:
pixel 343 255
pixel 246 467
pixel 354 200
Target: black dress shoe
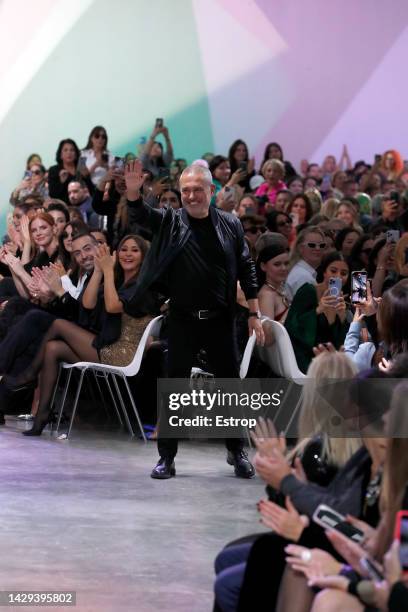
pixel 243 468
pixel 165 468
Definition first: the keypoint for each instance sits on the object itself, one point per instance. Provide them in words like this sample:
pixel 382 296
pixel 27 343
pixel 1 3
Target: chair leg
pixel 64 397
pixel 293 415
pixel 113 398
pixel 100 394
pixel 135 410
pixel 122 403
pixel 81 378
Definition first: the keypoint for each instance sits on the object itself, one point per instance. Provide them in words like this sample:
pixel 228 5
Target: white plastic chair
pixel 281 359
pixel 152 329
pixel 246 358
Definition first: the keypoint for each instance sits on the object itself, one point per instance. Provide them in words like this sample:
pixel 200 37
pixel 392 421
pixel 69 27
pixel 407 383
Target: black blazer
pixel 171 230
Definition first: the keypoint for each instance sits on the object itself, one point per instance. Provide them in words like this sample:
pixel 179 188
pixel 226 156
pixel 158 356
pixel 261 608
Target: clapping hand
pixel 287 523
pixel 25 229
pixel 265 437
pixel 105 261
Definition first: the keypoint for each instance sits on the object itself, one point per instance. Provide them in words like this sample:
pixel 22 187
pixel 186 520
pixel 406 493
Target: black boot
pixel 165 468
pixel 243 468
pixel 39 424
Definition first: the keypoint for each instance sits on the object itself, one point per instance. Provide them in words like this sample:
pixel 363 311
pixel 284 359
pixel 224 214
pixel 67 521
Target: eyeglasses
pixel 316 245
pixel 36 172
pixel 282 223
pixel 255 229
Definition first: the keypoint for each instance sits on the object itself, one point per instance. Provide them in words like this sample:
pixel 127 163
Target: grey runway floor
pixel 84 515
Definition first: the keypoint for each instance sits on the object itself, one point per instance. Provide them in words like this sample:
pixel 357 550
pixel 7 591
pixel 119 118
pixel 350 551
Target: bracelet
pixel 254 314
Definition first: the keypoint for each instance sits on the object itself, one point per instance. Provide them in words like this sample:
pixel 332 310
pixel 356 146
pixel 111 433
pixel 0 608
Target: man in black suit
pixel 203 253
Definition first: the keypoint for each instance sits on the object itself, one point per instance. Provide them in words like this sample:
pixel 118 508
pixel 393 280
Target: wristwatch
pixel 255 314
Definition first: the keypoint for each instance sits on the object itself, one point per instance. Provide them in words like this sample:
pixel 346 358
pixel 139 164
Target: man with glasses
pixel 199 253
pixel 309 250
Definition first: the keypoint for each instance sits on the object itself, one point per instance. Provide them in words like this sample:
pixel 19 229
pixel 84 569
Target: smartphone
pixel 82 162
pixel 330 519
pixel 105 158
pixel 401 534
pixel 27 174
pixel 358 286
pixel 377 158
pixel 159 122
pixel 164 173
pixel 394 196
pixel 335 287
pixel 243 166
pixel 371 569
pixel 295 218
pixel 392 236
pixel 251 211
pixel 119 163
pixel 229 193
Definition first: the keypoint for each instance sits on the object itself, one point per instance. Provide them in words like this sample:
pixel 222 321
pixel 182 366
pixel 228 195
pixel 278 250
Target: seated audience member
pixel 346 239
pixel 295 185
pixel 95 157
pixel 360 253
pixel 272 269
pixel 281 223
pixel 329 207
pixel 347 213
pixel 254 226
pixel 391 211
pixel 283 199
pixel 104 307
pixel 65 170
pixel 306 256
pixel 248 204
pixel 80 199
pixel 170 197
pixel 351 588
pixel 300 210
pixel 317 454
pixel 238 154
pixel 381 266
pixel 222 177
pixel 101 236
pixel 154 157
pixel 316 316
pixel 60 214
pixel 273 150
pixel 273 172
pixel 34 183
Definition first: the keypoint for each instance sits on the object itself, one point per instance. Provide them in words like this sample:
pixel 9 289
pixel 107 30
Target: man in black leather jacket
pixel 198 254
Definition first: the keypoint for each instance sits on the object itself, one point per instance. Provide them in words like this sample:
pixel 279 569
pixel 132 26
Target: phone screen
pixel 243 166
pixel 404 543
pixel 159 122
pixel 328 518
pixel 358 287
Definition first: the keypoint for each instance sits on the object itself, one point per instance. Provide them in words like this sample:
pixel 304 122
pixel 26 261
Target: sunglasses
pixel 316 245
pixel 36 172
pixel 255 229
pixel 100 136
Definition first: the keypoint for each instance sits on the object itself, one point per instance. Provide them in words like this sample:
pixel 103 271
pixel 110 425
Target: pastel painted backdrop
pixel 311 75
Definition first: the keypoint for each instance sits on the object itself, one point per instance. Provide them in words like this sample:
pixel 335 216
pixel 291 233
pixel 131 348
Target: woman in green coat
pixel 315 316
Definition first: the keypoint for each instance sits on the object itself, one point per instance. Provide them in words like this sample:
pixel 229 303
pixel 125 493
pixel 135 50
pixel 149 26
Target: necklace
pixel 280 292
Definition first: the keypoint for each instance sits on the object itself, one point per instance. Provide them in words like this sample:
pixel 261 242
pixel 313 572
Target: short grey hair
pixel 199 170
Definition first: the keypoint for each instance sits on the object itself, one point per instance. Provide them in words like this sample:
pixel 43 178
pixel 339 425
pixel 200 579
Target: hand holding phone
pixel 328 518
pixel 159 123
pixel 358 287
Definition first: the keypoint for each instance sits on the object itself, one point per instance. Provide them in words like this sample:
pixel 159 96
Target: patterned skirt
pixel 121 352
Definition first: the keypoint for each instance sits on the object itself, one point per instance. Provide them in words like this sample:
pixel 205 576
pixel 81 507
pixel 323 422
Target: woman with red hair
pixel 391 165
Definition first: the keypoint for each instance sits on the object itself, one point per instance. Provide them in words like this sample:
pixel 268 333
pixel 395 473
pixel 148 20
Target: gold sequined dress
pixel 121 352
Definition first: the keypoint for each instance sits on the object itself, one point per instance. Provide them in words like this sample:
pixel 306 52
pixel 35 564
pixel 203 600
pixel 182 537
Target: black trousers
pixel 186 337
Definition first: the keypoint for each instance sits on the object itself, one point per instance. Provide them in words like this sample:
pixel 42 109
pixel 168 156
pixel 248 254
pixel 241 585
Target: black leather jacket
pixel 171 230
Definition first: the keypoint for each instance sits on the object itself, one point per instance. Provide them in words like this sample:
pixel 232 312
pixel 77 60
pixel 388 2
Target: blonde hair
pixel 399 254
pixel 316 415
pixel 315 199
pixel 273 163
pixel 301 238
pixel 329 207
pixel 352 210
